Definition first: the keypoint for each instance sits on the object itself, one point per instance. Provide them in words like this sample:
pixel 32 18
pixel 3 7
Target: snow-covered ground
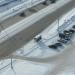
pixel 27 68
pixel 61 64
pixel 46 61
pixel 50 36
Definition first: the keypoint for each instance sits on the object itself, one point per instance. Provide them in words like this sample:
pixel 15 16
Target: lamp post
pixel 58 26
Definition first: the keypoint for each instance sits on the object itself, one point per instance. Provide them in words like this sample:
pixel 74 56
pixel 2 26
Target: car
pixel 47 2
pixel 53 1
pixel 37 38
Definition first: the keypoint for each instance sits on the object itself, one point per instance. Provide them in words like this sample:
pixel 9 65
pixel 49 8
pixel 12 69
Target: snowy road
pixel 20 39
pixel 61 64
